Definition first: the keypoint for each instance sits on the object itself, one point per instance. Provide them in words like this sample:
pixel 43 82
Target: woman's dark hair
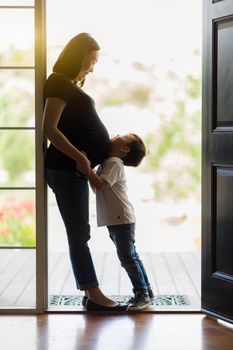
pixel 137 151
pixel 70 59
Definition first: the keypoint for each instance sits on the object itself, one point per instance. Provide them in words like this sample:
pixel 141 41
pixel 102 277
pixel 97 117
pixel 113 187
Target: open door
pixel 217 167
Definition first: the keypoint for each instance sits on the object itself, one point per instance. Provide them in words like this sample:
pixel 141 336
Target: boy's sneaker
pixel 140 302
pixel 151 295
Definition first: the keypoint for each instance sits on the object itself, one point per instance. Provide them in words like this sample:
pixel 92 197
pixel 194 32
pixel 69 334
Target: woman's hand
pixel 83 164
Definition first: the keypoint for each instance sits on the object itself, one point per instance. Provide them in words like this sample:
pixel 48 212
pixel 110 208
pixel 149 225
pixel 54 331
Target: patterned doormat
pixel 160 301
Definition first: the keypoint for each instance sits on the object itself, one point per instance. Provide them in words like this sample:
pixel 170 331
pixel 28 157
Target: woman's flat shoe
pixel 90 306
pixel 84 300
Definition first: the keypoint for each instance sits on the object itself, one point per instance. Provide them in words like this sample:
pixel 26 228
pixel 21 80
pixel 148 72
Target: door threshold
pixel 161 303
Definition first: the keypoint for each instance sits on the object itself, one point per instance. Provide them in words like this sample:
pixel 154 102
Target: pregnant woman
pixel 72 125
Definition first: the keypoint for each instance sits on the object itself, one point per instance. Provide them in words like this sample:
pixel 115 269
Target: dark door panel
pixel 217 159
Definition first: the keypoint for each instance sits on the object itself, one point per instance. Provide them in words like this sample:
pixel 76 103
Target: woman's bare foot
pixel 96 296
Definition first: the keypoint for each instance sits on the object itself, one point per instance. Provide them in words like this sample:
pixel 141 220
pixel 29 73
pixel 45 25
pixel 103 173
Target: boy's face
pixel 122 140
pixel 120 144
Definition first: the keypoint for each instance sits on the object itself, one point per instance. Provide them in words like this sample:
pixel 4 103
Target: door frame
pixel 40 187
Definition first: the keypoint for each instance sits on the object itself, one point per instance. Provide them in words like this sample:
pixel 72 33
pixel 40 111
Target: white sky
pixel 17 28
pixel 149 30
pixel 160 32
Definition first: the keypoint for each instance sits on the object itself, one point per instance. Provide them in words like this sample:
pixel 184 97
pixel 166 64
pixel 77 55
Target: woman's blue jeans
pixel 123 236
pixel 72 195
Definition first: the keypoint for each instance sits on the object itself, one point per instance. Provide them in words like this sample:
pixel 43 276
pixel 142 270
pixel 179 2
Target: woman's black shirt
pixel 79 122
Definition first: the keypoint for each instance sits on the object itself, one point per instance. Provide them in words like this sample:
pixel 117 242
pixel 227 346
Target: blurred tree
pixel 17 153
pixel 175 150
pixel 16 109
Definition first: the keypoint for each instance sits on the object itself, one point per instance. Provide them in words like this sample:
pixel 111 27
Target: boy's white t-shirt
pixel 112 204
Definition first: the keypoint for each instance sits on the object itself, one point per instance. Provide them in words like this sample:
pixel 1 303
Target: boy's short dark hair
pixel 137 151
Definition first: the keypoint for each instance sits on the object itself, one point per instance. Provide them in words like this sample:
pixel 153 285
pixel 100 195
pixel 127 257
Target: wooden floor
pixel 169 273
pixel 114 332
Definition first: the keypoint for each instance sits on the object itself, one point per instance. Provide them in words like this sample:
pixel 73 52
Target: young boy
pixel 115 211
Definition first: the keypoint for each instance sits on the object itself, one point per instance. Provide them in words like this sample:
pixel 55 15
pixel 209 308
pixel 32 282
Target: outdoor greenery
pixel 17 110
pixel 17 152
pixel 175 146
pixel 16 57
pixel 179 140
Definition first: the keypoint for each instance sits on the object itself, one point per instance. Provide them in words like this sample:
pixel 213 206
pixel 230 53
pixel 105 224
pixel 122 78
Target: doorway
pixel 147 81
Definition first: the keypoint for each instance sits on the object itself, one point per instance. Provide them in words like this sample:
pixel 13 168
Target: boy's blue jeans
pixel 123 237
pixel 72 196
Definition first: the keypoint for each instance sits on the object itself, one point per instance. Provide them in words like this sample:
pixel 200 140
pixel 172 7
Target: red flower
pixel 1 214
pixel 29 205
pixel 4 231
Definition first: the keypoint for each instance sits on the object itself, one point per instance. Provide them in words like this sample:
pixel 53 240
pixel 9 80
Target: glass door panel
pixel 17 218
pixel 17 98
pixel 17 158
pixel 17 43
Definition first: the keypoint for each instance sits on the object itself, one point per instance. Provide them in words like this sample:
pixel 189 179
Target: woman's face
pixel 89 61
